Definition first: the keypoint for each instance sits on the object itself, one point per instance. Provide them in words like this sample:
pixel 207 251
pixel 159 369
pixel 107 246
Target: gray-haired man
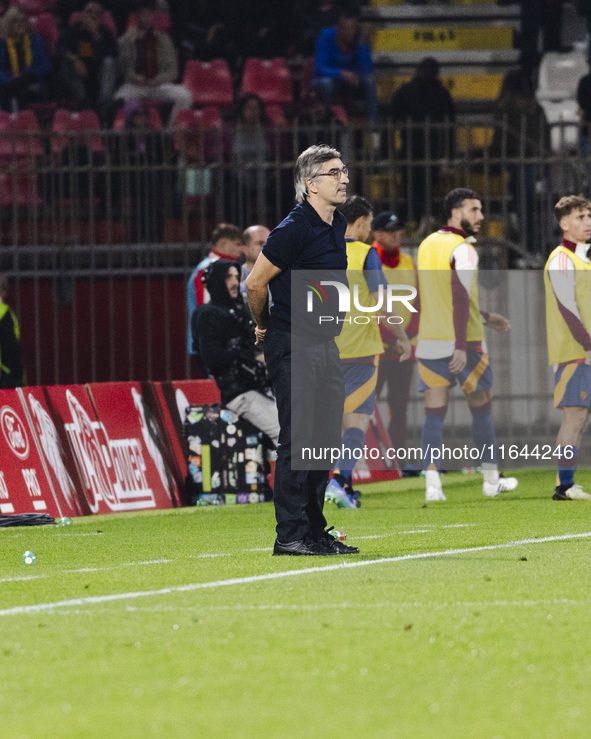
pixel 311 237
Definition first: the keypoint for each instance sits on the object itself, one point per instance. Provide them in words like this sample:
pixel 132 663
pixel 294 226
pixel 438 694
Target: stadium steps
pixel 472 41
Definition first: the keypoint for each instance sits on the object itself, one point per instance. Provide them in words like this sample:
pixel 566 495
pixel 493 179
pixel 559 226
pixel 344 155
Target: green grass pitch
pixel 181 623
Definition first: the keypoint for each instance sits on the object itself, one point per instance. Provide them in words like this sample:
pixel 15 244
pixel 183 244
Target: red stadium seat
pixel 161 21
pixel 340 114
pixel 275 114
pixel 306 76
pixel 20 189
pixel 20 138
pixel 108 21
pixel 34 7
pixel 210 83
pixel 66 125
pixel 270 79
pixel 195 137
pixel 154 118
pixel 45 25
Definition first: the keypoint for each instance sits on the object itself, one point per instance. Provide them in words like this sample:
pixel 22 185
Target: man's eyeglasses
pixel 335 173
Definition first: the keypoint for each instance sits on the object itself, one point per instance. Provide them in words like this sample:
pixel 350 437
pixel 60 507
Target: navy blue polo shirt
pixel 302 241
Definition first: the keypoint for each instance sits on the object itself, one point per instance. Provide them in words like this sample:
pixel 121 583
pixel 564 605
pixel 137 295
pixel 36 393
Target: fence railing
pixel 99 231
pixel 120 187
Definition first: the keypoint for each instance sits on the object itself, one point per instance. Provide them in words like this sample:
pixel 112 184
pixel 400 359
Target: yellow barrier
pixel 461 86
pixel 443 38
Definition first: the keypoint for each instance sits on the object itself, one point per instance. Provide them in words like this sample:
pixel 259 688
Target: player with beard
pixel 451 346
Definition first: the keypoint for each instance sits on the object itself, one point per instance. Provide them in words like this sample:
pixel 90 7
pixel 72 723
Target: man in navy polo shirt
pixel 312 237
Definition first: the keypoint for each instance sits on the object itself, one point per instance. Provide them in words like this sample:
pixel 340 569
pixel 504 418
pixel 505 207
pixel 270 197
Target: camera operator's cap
pixel 386 221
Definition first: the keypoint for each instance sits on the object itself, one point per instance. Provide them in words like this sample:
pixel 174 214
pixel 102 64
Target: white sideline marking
pixel 123 564
pixel 18 610
pixel 417 531
pixel 437 605
pixel 24 577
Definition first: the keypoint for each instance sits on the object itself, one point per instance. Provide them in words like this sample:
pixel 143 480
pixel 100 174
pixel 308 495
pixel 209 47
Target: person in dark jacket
pixel 423 101
pixel 223 335
pixel 11 360
pixel 88 51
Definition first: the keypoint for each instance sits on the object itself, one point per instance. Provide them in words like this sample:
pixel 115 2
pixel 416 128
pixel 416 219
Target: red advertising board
pixel 24 484
pixel 143 478
pixel 70 450
pixel 382 468
pixel 52 443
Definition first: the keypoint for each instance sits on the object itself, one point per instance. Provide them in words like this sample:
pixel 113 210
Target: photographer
pixel 223 334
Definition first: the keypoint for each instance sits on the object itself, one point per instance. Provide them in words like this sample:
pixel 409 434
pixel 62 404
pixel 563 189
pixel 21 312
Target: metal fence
pixel 100 230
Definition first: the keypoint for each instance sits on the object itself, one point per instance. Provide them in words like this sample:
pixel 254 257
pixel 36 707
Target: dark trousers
pixel 312 376
pixel 397 376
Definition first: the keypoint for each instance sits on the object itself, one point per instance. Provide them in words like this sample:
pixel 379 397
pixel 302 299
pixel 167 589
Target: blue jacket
pixel 330 58
pixel 40 64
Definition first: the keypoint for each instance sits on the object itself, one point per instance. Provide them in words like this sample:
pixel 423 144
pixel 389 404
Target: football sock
pixel 432 436
pixel 483 433
pixel 353 440
pixel 567 465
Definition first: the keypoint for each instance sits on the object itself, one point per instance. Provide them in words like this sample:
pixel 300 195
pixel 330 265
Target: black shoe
pixel 334 545
pixel 303 547
pixel 560 492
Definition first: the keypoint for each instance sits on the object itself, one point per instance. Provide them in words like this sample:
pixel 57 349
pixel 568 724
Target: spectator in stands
pixel 310 17
pixel 145 157
pixel 535 15
pixel 24 63
pixel 343 63
pixel 521 131
pixel 424 100
pixel 317 121
pixel 206 30
pixel 11 359
pixel 119 9
pixel 584 101
pixel 223 336
pixel 88 61
pixel 149 65
pixel 252 146
pixel 253 239
pixel 226 244
pixel 262 30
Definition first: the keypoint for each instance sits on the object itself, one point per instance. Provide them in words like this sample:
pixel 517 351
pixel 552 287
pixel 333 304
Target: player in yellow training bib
pixel 360 346
pixel 567 282
pixel 451 348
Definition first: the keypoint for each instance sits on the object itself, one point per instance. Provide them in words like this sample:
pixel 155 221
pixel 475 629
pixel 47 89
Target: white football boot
pixel 503 485
pixel 434 490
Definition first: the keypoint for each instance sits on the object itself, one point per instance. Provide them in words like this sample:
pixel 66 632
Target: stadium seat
pixel 45 25
pixel 79 129
pixel 108 20
pixel 34 7
pixel 306 75
pixel 210 83
pixel 340 114
pixel 161 21
pixel 20 189
pixel 20 138
pixel 195 137
pixel 275 114
pixel 154 118
pixel 270 79
pixel 558 80
pixel 559 75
